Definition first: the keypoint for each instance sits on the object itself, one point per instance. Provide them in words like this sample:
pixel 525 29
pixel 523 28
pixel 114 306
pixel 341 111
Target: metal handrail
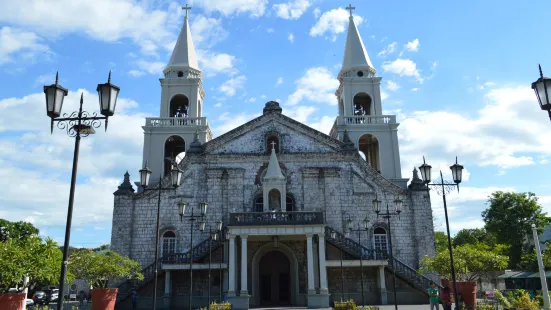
pixel 276 218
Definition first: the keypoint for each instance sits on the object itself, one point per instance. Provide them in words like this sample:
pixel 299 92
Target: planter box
pixel 104 298
pixel 467 290
pixel 12 301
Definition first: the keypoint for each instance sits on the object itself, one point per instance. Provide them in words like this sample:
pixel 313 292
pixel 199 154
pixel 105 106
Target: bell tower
pixel 360 110
pixel 168 137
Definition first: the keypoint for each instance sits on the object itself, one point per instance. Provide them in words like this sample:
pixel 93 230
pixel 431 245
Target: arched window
pixel 272 141
pixel 362 104
pixel 380 241
pixel 179 106
pixel 274 199
pixel 289 203
pixel 259 204
pixel 168 245
pixel 175 148
pixel 369 146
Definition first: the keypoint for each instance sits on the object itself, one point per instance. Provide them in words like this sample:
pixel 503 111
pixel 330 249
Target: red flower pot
pixel 467 290
pixel 12 301
pixel 104 298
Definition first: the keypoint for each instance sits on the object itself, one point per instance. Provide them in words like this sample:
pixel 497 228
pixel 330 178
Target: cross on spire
pixel 187 8
pixel 273 145
pixel 350 8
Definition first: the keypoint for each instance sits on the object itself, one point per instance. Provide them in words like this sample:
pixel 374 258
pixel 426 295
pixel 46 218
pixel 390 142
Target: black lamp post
pixel 334 236
pixel 442 188
pixel 387 216
pixel 77 124
pixel 176 177
pixel 192 218
pixel 359 230
pixel 542 87
pixel 213 235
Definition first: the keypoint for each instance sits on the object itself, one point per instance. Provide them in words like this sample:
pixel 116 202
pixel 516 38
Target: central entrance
pixel 274 279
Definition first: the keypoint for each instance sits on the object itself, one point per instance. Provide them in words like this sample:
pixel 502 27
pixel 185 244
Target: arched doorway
pixel 362 104
pixel 179 106
pixel 369 146
pixel 274 279
pixel 175 148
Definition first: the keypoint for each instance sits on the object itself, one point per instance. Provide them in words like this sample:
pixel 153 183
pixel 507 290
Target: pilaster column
pixel 231 266
pixel 168 283
pixel 244 290
pixel 381 283
pixel 323 267
pixel 310 258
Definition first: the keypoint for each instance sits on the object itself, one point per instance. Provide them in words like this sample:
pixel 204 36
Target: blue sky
pixel 457 75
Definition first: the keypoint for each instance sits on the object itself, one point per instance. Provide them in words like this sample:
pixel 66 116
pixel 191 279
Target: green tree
pixel 441 241
pixel 473 236
pixel 38 259
pixel 98 269
pixel 17 230
pixel 470 262
pixel 509 217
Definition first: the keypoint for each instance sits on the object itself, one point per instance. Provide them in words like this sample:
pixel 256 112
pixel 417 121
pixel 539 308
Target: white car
pixel 29 302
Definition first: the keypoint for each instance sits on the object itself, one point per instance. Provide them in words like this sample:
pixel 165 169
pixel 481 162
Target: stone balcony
pixel 276 218
pixel 361 120
pixel 172 122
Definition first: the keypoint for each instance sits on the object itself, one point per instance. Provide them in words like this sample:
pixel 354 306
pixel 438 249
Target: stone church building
pixel 286 195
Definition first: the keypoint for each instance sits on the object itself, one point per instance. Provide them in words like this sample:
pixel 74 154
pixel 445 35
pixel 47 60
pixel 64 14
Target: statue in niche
pixel 274 200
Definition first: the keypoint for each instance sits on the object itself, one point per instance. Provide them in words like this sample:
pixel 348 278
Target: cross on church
pixel 350 8
pixel 187 8
pixel 273 145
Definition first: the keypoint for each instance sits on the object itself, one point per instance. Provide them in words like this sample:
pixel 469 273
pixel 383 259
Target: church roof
pixel 355 55
pixel 183 55
pixel 274 171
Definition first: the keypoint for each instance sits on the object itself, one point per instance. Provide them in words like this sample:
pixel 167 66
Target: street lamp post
pixel 192 218
pixel 542 87
pixel 77 124
pixel 176 177
pixel 359 230
pixel 213 235
pixel 333 236
pixel 543 277
pixel 387 216
pixel 226 234
pixel 442 188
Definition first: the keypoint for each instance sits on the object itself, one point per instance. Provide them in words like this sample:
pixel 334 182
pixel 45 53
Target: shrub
pixel 502 300
pixel 522 300
pixel 345 305
pixel 220 306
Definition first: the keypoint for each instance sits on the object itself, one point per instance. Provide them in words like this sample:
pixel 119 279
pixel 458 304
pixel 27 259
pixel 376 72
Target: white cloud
pixel 270 30
pixel 212 63
pixel 23 43
pixel 228 121
pixel 391 48
pixel 292 9
pixel 323 124
pixel 279 81
pixel 219 104
pixel 230 87
pixel 392 86
pixel 207 31
pixel 318 84
pixel 299 113
pixel 507 132
pixel 255 8
pixel 252 99
pixel 403 67
pixel 384 95
pixel 317 12
pixel 291 38
pixel 415 89
pixel 263 97
pixel 151 67
pixel 333 22
pixel 136 73
pixel 413 46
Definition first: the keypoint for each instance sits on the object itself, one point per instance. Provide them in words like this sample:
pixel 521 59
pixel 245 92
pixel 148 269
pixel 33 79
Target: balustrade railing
pixel 276 218
pixel 353 247
pixel 175 121
pixel 366 119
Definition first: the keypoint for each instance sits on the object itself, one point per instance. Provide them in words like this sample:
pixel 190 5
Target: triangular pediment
pixel 250 138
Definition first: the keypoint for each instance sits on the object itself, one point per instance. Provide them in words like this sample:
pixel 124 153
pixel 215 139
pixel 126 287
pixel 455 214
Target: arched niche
pixel 272 138
pixel 362 104
pixel 369 146
pixel 274 200
pixel 179 106
pixel 175 148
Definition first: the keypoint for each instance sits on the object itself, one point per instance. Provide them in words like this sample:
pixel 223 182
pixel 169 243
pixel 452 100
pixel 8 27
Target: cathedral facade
pixel 297 208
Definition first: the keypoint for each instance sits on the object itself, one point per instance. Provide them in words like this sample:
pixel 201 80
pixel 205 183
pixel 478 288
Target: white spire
pixel 355 55
pixel 183 55
pixel 274 172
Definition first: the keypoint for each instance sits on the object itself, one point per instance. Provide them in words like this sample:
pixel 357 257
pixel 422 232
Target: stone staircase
pixel 199 252
pixel 403 271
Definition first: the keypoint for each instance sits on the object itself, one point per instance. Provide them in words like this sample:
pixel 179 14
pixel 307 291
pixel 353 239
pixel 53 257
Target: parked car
pixel 46 297
pixel 29 302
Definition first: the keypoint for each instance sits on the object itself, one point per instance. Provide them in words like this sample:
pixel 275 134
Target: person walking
pixel 434 299
pixel 134 300
pixel 445 297
pixel 81 297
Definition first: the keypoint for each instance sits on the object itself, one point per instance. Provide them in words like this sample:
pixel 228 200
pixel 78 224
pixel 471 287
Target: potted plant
pixel 98 269
pixel 23 262
pixel 471 262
